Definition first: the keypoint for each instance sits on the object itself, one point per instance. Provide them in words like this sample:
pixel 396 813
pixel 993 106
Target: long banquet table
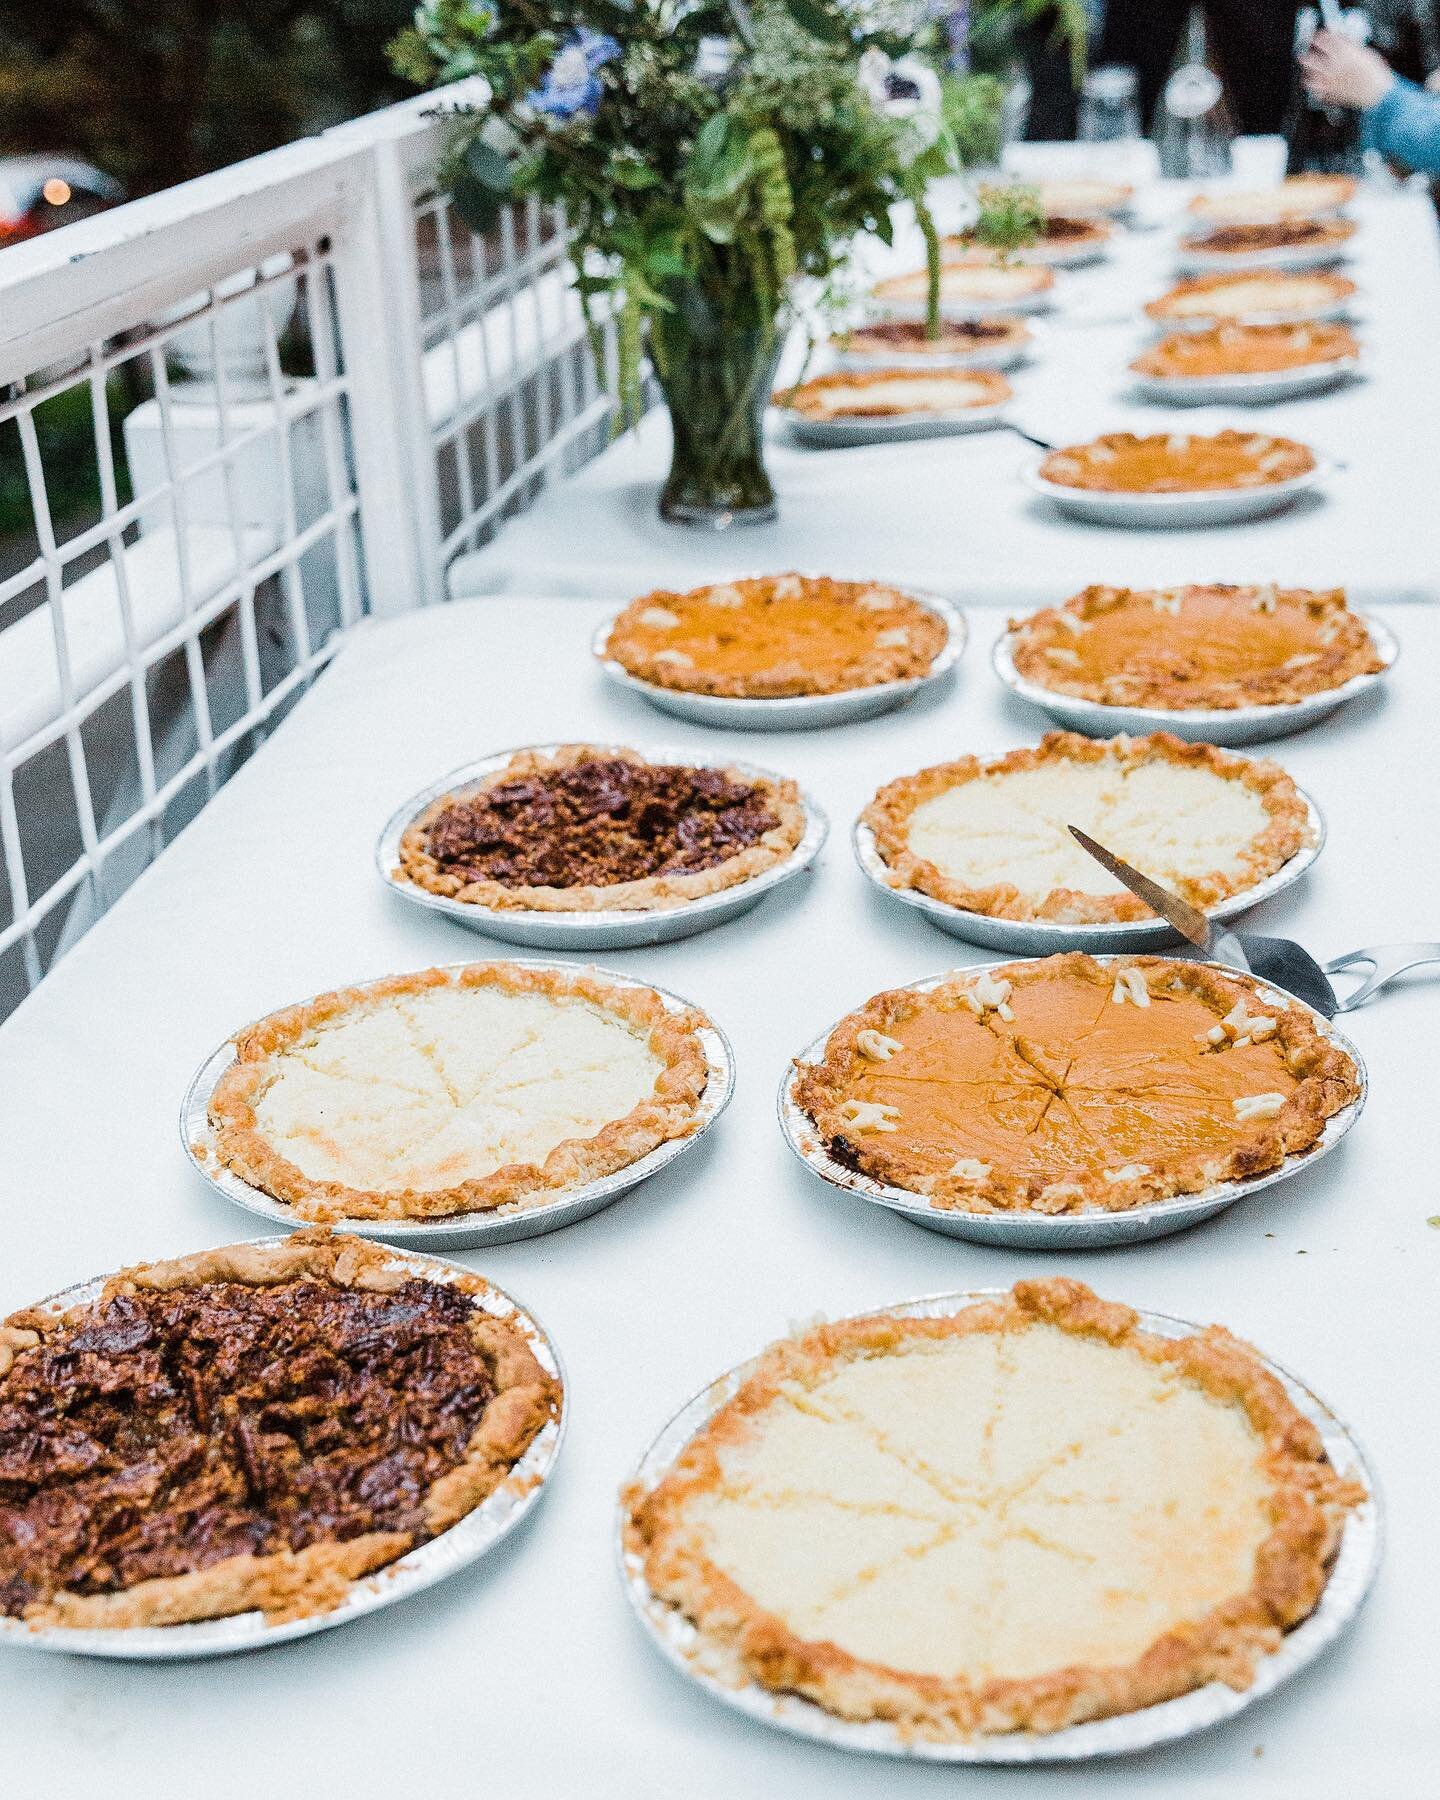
pixel 526 1675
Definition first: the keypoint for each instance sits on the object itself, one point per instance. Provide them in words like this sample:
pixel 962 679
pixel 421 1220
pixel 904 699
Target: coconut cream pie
pixel 587 828
pixel 1246 350
pixel 771 635
pixel 969 285
pixel 455 1090
pixel 887 340
pixel 1177 463
pixel 1297 197
pixel 990 834
pixel 1196 647
pixel 1068 1084
pixel 1237 242
pixel 894 393
pixel 1258 297
pixel 255 1427
pixel 1016 1516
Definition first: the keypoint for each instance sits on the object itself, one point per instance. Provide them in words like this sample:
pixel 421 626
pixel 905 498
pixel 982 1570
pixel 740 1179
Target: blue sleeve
pixel 1405 126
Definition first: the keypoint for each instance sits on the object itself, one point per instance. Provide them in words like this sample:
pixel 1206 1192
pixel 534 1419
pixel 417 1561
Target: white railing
pixel 234 418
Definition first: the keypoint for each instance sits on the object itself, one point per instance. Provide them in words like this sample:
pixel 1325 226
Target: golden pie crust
pixel 1083 199
pixel 1253 294
pixel 1297 197
pixel 649 894
pixel 1287 827
pixel 1200 647
pixel 1246 350
pixel 1279 234
pixel 972 283
pixel 871 393
pixel 769 636
pixel 957 337
pixel 1297 1507
pixel 1177 463
pixel 670 1112
pixel 292 1584
pixel 1068 1084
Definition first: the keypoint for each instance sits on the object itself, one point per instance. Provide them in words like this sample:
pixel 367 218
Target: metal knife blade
pixel 1210 939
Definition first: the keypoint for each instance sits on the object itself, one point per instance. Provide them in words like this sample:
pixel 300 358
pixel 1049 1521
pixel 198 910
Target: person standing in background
pixel 1253 41
pixel 1399 119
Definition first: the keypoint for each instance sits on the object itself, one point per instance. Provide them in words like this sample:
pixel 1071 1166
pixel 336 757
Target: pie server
pixel 1280 961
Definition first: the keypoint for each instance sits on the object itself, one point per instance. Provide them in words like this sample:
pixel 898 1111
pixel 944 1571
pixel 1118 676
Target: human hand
pixel 1340 72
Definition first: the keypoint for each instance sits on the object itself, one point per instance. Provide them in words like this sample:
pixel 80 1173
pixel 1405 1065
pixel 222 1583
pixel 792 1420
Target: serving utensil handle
pixel 1385 962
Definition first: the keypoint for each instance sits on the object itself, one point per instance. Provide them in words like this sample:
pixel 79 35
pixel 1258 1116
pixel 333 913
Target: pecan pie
pixel 1068 1084
pixel 1017 1515
pixel 894 393
pixel 1177 463
pixel 1297 197
pixel 1060 238
pixel 250 1428
pixel 1240 241
pixel 970 285
pixel 1246 350
pixel 772 635
pixel 587 827
pixel 456 1090
pixel 958 338
pixel 990 834
pixel 1258 296
pixel 1198 647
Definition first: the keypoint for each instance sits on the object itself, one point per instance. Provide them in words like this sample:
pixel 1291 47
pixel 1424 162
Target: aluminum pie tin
pixel 1247 389
pixel 1332 312
pixel 956 306
pixel 797 712
pixel 1178 511
pixel 469 1230
pixel 1093 1230
pixel 846 433
pixel 595 930
pixel 464 1543
pixel 1290 258
pixel 1048 937
pixel 1349 1581
pixel 1006 355
pixel 1226 726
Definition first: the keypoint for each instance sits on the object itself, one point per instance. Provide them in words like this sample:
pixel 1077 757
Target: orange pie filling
pixel 1121 463
pixel 1247 350
pixel 775 635
pixel 1252 294
pixel 1069 1085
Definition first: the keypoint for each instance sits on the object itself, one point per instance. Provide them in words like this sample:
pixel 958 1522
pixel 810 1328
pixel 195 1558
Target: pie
pixel 1059 238
pixel 1258 296
pixel 587 828
pixel 1240 241
pixel 887 339
pixel 1198 647
pixel 1177 463
pixel 1083 199
pixel 773 635
pixel 1297 197
pixel 894 393
pixel 455 1090
pixel 989 834
pixel 1246 350
pixel 1017 1515
pixel 970 284
pixel 252 1428
pixel 1070 1084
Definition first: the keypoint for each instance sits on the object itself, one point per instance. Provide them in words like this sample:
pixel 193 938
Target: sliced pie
pixel 772 635
pixel 990 834
pixel 1241 241
pixel 894 393
pixel 1297 197
pixel 1197 647
pixel 589 827
pixel 254 1427
pixel 1015 1516
pixel 1259 296
pixel 1246 350
pixel 970 286
pixel 1177 463
pixel 456 1090
pixel 1070 1084
pixel 888 339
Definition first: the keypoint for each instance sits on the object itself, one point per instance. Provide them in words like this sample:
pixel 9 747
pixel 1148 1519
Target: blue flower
pixel 571 85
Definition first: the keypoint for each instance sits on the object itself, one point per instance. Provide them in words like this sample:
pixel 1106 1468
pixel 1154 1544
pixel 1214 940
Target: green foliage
pixel 972 112
pixel 1011 216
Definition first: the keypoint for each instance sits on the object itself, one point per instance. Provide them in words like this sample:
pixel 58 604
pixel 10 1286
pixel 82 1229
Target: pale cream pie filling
pixel 919 392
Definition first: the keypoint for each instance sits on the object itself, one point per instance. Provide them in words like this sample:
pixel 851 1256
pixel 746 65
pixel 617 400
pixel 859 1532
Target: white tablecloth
pixel 526 1677
pixel 951 514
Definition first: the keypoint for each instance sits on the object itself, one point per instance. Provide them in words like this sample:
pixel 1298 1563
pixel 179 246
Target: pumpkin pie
pixel 1017 1514
pixel 1070 1084
pixel 894 393
pixel 969 286
pixel 456 1090
pixel 990 834
pixel 1177 463
pixel 1197 647
pixel 252 1428
pixel 1224 242
pixel 1297 197
pixel 901 340
pixel 588 827
pixel 1253 297
pixel 1246 350
pixel 773 635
